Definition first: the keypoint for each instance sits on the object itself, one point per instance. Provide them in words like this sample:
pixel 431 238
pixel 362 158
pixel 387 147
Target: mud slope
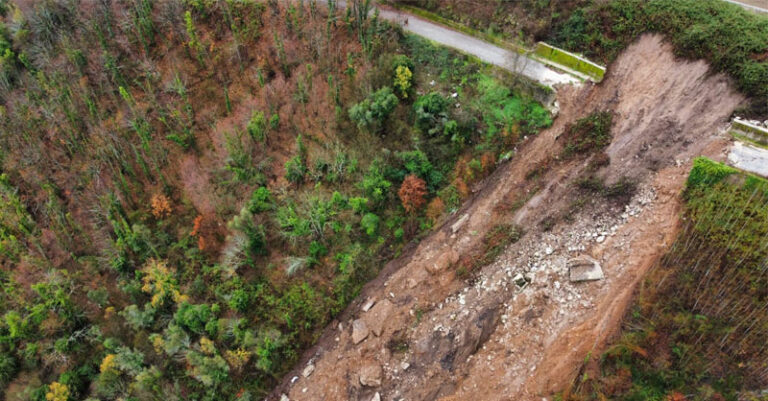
pixel 430 335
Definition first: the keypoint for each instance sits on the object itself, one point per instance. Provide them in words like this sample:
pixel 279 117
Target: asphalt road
pixel 487 52
pixel 492 54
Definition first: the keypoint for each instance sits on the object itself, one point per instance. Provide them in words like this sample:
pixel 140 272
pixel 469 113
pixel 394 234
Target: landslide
pixel 441 323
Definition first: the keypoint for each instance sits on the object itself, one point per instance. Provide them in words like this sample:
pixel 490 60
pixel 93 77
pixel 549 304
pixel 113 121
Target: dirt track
pixel 440 337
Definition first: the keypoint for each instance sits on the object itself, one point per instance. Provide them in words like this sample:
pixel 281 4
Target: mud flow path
pixel 519 328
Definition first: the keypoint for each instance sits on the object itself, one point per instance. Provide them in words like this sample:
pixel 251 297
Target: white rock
pixel 460 222
pixel 600 239
pixel 359 331
pixel 376 397
pixel 284 398
pixel 308 370
pixel 368 305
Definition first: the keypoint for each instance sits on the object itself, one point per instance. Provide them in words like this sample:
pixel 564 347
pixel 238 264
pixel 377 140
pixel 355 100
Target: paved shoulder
pixel 485 51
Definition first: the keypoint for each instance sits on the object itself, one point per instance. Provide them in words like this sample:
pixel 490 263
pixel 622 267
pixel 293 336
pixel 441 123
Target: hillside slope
pixel 518 327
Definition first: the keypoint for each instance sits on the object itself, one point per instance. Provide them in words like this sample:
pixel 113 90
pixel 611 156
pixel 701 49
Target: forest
pixel 192 189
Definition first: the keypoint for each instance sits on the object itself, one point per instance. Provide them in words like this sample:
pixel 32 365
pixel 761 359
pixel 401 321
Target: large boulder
pixel 584 269
pixel 376 318
pixel 370 374
pixel 359 331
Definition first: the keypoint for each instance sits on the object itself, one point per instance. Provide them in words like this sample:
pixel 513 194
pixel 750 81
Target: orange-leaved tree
pixel 412 193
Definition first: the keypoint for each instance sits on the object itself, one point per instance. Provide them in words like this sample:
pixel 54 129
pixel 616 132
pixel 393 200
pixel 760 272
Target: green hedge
pixel 731 39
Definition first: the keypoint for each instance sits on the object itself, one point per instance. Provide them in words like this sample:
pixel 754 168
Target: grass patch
pixel 496 240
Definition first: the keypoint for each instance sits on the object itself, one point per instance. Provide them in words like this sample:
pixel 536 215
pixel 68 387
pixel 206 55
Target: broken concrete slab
pixel 584 269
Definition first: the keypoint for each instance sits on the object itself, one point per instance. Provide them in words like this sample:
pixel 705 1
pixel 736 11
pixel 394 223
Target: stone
pixel 367 306
pixel 520 280
pixel 370 374
pixel 308 370
pixel 442 261
pixel 460 222
pixel 600 239
pixel 584 269
pixel 377 317
pixel 359 331
pixel 284 398
pixel 376 397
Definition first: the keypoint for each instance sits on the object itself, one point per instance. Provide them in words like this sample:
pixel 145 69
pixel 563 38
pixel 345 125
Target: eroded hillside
pixel 520 326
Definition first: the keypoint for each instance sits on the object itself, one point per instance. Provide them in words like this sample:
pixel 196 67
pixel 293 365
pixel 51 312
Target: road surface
pixel 487 52
pixel 749 158
pixel 492 54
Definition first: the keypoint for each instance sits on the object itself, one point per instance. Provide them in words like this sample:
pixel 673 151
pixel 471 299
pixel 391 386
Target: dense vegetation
pixel 698 327
pixel 731 39
pixel 192 189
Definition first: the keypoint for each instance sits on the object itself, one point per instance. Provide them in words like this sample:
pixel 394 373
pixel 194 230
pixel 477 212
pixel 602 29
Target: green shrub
pixel 371 114
pixel 503 111
pixel 138 319
pixel 374 184
pixel 451 198
pixel 358 204
pixel 240 300
pixel 193 317
pixel 370 224
pixel 317 250
pixel 295 170
pixel 211 371
pixel 416 162
pixel 8 368
pixel 255 234
pixel 589 134
pixel 268 358
pixel 291 223
pixel 431 113
pixel 261 201
pixel 401 60
pixel 257 126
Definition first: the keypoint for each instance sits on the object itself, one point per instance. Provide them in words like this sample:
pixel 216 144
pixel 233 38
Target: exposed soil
pixel 519 329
